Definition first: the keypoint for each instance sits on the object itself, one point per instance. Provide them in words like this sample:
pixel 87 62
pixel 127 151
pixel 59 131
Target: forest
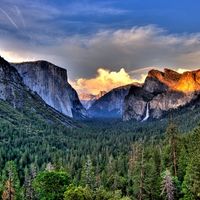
pixel 99 160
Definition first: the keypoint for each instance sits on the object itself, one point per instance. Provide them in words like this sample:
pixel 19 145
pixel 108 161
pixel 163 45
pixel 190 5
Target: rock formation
pixel 18 95
pixel 110 104
pixel 163 91
pixel 50 82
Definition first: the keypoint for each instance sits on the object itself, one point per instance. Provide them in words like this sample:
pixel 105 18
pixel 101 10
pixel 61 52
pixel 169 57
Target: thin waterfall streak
pixel 147 113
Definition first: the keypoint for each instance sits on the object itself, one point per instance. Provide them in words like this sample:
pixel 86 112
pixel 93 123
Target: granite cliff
pixel 20 97
pixel 50 82
pixel 110 104
pixel 160 93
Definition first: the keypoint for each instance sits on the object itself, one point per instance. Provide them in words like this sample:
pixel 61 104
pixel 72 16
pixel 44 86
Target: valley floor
pixel 100 160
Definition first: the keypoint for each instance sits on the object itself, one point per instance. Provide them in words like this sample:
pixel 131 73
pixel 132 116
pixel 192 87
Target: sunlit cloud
pixel 182 70
pixel 12 56
pixel 105 80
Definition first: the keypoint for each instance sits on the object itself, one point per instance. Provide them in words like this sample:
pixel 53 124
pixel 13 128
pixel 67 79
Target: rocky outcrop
pixel 109 105
pixel 50 82
pixel 19 96
pixel 187 82
pixel 163 92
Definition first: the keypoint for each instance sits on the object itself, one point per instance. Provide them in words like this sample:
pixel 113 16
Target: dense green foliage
pixel 103 160
pixel 51 185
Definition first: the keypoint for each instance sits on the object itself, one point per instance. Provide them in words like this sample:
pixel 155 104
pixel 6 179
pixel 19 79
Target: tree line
pixel 102 164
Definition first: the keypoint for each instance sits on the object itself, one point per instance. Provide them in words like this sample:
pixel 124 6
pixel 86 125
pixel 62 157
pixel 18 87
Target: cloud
pixel 9 18
pixel 93 8
pixel 105 80
pixel 181 70
pixel 132 49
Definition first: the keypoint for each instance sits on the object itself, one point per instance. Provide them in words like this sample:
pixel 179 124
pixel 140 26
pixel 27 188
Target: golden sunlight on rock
pixel 188 81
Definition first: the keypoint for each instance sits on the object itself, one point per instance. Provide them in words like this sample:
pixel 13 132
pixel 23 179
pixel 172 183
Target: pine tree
pixel 191 184
pixel 28 183
pixel 139 172
pixel 11 181
pixel 167 186
pixel 9 192
pixel 87 175
pixel 141 192
pixel 172 136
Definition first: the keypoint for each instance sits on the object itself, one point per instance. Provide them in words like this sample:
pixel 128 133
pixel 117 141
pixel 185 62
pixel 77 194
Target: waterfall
pixel 147 113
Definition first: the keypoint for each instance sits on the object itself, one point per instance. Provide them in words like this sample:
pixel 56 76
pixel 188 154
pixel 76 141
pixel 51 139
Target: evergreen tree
pixel 87 176
pixel 28 184
pixel 172 136
pixel 12 189
pixel 168 187
pixel 191 184
pixel 9 192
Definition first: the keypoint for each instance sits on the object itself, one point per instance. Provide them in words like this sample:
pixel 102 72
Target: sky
pixel 102 43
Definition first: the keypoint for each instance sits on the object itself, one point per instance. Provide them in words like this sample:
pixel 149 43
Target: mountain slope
pixel 51 84
pixel 110 105
pixel 13 92
pixel 161 93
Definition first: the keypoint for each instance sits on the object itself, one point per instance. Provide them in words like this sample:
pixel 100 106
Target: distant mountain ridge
pixel 88 99
pixel 110 105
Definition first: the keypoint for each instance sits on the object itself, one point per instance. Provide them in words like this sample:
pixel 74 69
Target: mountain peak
pixel 188 81
pixel 45 66
pixel 3 61
pixel 168 77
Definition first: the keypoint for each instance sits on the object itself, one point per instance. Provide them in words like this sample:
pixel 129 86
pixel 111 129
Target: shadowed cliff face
pixel 163 91
pixel 11 87
pixel 51 84
pixel 19 96
pixel 109 105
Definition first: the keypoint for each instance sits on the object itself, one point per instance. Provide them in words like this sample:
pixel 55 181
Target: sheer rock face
pixel 51 84
pixel 164 91
pixel 17 94
pixel 110 104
